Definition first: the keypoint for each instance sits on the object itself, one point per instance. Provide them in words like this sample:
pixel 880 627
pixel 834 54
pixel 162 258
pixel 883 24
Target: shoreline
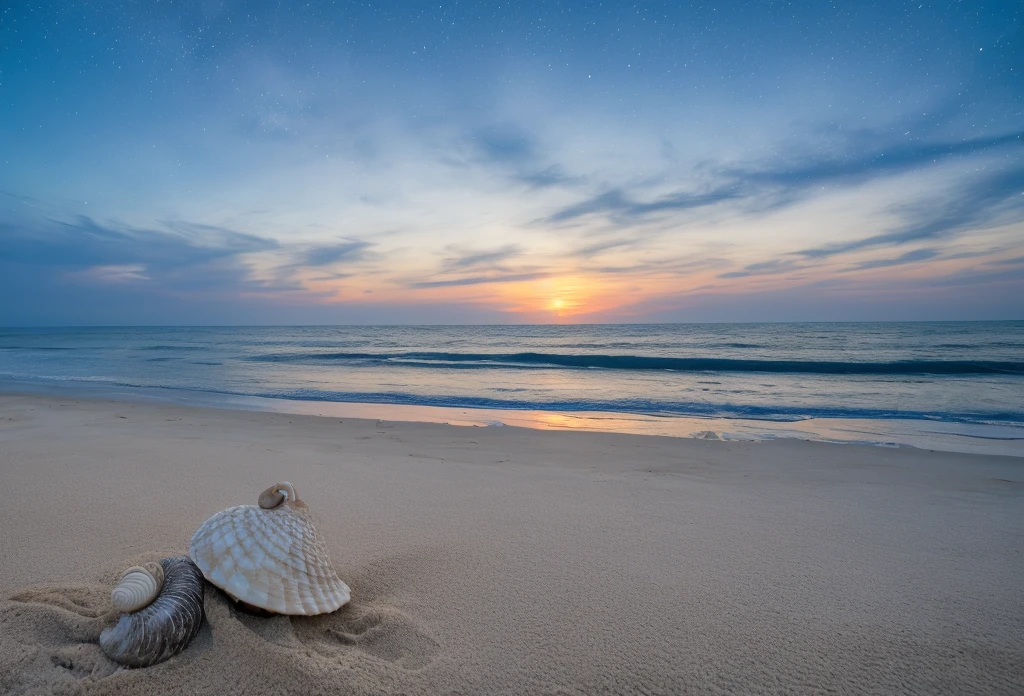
pixel 945 436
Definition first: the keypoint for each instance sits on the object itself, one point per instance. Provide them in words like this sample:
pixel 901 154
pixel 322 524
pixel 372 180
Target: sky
pixel 230 162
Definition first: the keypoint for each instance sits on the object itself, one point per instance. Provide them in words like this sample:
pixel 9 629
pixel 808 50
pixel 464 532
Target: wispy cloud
pixel 863 155
pixel 111 274
pixel 1016 261
pixel 670 266
pixel 971 205
pixel 479 280
pixel 773 267
pixel 348 250
pixel 179 256
pixel 915 256
pixel 595 248
pixel 473 259
pixel 623 208
pixel 553 175
pixel 790 177
pixel 520 155
pixel 81 241
pixel 505 144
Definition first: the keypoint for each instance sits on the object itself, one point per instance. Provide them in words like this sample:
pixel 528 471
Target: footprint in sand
pixel 380 631
pixel 55 631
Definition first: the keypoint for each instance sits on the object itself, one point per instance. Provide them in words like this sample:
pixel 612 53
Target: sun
pixel 557 304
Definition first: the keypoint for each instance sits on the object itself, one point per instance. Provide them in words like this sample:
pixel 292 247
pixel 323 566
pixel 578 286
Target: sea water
pixel 964 374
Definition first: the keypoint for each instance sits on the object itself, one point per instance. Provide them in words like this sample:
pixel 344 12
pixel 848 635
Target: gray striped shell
pixel 163 627
pixel 269 556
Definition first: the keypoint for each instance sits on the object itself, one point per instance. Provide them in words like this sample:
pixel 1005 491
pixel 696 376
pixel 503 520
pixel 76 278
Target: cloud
pixel 966 206
pixel 553 175
pixel 111 274
pixel 605 245
pixel 177 257
pixel 618 205
pixel 866 155
pixel 1017 261
pixel 665 266
pixel 772 267
pixel 520 155
pixel 909 257
pixel 790 176
pixel 479 280
pixel 82 242
pixel 505 144
pixel 349 250
pixel 485 258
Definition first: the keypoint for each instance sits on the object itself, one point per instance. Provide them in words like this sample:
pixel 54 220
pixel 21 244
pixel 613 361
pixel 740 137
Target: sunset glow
pixel 642 182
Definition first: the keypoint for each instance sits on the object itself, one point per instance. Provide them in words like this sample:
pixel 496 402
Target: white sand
pixel 508 561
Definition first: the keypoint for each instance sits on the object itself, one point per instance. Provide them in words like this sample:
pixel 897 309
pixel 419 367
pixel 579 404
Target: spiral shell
pixel 138 587
pixel 163 627
pixel 276 495
pixel 269 556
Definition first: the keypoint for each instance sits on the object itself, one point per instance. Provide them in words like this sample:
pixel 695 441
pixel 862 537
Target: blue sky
pixel 253 162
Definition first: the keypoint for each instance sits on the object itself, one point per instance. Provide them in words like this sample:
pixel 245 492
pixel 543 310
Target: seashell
pixel 166 624
pixel 269 556
pixel 138 587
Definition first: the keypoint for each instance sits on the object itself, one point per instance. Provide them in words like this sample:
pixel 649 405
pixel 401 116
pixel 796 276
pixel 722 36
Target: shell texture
pixel 163 628
pixel 269 556
pixel 138 587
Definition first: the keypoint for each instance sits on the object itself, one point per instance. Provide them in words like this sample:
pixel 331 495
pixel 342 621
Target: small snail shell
pixel 164 627
pixel 138 587
pixel 277 494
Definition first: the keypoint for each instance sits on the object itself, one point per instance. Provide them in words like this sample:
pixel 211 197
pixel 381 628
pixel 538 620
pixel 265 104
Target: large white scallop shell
pixel 138 587
pixel 269 556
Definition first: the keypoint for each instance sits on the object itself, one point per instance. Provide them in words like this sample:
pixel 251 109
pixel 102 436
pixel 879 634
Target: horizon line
pixel 484 325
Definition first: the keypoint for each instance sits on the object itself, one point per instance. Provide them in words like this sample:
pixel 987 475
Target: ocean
pixel 958 378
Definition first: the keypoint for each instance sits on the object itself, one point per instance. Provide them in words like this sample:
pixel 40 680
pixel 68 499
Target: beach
pixel 501 349
pixel 505 560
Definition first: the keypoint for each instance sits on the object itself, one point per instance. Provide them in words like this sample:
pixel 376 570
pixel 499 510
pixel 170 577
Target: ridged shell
pixel 269 558
pixel 138 587
pixel 165 627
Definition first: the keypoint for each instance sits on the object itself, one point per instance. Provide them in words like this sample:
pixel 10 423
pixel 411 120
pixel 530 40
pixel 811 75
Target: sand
pixel 511 561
